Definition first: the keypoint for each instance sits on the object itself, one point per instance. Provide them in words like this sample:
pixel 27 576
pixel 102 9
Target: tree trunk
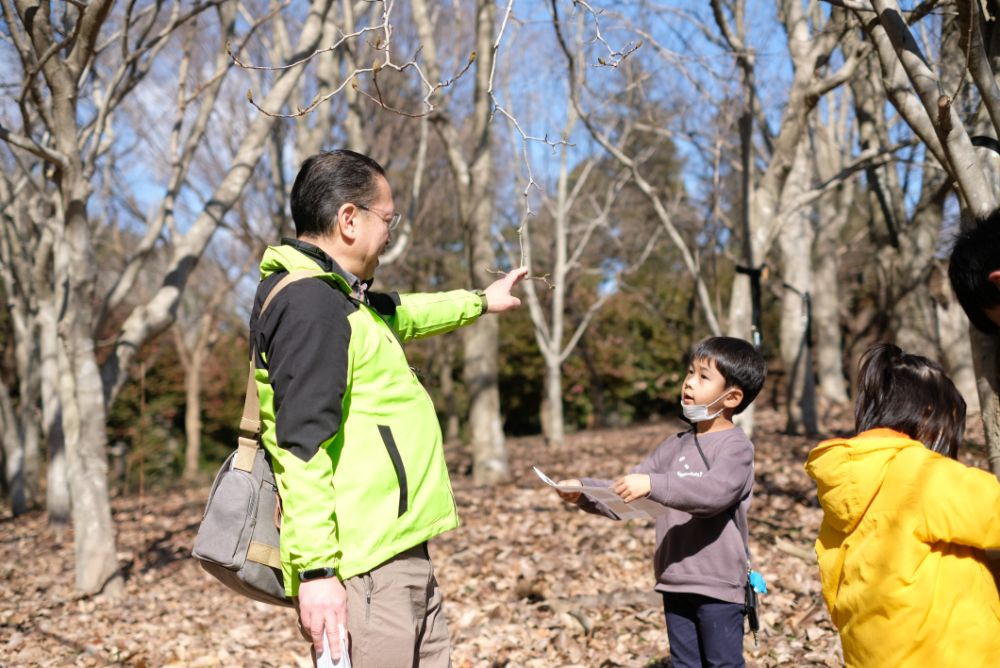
pixel 13 456
pixel 19 423
pixel 489 452
pixel 826 320
pixel 555 429
pixel 82 399
pixel 81 396
pixel 796 353
pixel 192 411
pixel 833 141
pixel 956 350
pixel 57 498
pixel 986 360
pixel 914 323
pixel 482 340
pixel 452 427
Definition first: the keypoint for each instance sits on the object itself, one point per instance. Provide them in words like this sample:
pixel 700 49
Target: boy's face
pixel 703 384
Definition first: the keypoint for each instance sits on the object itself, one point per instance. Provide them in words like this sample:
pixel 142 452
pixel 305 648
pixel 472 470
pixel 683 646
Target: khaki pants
pixel 395 617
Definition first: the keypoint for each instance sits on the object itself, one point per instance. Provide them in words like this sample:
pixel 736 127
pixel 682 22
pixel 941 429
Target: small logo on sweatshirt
pixel 687 472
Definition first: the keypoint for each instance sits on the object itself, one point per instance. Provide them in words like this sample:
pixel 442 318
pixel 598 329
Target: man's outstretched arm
pixel 419 315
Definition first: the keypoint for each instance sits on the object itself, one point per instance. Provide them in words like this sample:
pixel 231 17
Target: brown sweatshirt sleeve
pixel 695 489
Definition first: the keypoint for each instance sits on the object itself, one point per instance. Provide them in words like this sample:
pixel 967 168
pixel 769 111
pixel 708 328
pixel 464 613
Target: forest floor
pixel 528 580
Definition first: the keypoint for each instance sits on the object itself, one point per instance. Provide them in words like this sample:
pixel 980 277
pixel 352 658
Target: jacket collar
pixel 327 263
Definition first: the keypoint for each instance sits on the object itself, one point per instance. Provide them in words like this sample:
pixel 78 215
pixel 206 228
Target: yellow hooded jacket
pixel 901 552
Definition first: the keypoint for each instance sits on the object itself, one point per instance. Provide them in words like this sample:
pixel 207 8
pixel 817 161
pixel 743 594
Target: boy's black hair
pixel 974 255
pixel 910 394
pixel 327 181
pixel 740 364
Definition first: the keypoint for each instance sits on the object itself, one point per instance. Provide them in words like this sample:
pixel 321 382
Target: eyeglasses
pixel 392 222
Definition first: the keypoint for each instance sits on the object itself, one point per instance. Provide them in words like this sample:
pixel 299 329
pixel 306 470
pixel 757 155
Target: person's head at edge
pixel 909 394
pixel 342 202
pixel 974 271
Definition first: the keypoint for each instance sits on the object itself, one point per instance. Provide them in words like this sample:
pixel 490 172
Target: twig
pixel 789 548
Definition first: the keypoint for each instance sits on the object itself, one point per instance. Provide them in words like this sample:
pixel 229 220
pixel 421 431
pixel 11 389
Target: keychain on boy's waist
pixel 755 585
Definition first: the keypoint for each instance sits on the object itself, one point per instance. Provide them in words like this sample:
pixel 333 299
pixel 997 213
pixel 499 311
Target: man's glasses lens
pixel 392 222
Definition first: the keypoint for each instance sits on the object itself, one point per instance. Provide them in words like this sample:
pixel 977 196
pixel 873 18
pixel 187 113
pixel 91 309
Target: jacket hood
pixel 849 472
pixel 289 258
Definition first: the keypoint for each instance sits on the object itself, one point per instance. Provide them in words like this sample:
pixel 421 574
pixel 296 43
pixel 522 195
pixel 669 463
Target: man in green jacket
pixel 352 434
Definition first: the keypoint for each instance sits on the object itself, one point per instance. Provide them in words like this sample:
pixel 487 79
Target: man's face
pixel 373 234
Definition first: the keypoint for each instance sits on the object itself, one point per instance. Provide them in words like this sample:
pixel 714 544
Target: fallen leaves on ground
pixel 528 580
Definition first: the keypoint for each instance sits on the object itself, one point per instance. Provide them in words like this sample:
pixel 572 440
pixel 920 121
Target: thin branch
pixel 48 154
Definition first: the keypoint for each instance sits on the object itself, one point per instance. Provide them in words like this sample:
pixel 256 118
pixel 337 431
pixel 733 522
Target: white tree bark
pixel 833 211
pixel 915 89
pixel 956 349
pixel 811 47
pixel 795 242
pixel 473 173
pixel 84 392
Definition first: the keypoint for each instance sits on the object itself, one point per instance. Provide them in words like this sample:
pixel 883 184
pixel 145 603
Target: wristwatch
pixel 316 574
pixel 483 304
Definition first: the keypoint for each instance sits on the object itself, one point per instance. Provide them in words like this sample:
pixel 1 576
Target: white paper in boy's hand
pixel 551 483
pixel 638 509
pixel 325 658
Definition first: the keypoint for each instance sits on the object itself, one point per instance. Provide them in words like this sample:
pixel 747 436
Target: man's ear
pixel 994 277
pixel 347 221
pixel 734 398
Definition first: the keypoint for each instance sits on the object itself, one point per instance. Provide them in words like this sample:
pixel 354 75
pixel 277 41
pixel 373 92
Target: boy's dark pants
pixel 704 632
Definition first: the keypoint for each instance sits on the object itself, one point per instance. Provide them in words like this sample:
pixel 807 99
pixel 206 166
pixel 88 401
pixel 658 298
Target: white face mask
pixel 699 412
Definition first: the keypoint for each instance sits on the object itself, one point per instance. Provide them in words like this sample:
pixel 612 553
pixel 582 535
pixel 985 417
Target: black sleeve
pixel 304 336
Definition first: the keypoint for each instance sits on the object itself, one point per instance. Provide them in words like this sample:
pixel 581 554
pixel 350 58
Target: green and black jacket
pixel 352 434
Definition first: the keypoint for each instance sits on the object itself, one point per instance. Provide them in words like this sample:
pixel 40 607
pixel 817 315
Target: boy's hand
pixel 569 497
pixel 631 487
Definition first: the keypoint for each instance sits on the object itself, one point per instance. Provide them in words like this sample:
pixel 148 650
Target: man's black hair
pixel 975 254
pixel 740 364
pixel 327 181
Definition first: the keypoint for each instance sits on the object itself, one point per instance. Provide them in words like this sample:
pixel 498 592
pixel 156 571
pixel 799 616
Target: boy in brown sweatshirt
pixel 704 478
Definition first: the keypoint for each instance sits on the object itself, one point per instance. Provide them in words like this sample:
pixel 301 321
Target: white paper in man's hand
pixel 325 658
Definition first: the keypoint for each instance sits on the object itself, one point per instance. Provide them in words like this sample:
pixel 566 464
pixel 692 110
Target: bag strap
pixel 249 435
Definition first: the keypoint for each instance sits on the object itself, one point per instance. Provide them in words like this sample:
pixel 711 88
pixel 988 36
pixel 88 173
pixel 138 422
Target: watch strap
pixel 316 574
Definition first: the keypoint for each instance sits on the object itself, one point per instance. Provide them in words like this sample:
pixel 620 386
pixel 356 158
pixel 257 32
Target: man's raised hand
pixel 498 294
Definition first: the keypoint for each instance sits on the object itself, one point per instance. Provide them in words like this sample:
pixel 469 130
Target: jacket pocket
pixel 397 463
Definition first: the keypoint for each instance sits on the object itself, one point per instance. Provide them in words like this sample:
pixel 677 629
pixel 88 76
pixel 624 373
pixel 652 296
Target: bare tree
pixel 634 164
pixel 195 333
pixel 74 84
pixel 812 38
pixel 19 426
pixel 795 243
pixel 834 208
pixel 926 100
pixel 473 174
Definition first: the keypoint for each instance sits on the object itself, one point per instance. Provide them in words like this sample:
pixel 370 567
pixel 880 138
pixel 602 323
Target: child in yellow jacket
pixel 905 526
